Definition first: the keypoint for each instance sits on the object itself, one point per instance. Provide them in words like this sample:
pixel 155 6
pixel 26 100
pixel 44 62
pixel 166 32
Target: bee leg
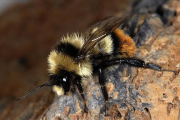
pixel 134 62
pixel 79 86
pixel 140 63
pixel 158 68
pixel 103 88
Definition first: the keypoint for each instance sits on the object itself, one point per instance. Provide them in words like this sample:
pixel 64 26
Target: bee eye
pixel 65 82
pixel 64 79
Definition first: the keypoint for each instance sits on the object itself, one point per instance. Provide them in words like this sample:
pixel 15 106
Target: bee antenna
pixel 46 84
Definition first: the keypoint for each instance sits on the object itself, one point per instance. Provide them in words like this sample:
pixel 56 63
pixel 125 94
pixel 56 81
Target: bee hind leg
pixel 133 62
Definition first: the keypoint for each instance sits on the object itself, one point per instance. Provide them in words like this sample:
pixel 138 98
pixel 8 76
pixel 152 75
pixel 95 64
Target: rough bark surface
pixel 28 32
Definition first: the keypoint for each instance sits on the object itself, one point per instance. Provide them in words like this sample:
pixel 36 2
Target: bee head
pixel 61 80
pixel 61 83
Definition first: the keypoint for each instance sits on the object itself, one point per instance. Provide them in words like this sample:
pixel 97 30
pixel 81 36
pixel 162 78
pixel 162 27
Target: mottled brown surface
pixel 161 89
pixel 27 34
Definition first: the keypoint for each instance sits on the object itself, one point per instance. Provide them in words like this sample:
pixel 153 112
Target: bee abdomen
pixel 123 43
pixel 116 43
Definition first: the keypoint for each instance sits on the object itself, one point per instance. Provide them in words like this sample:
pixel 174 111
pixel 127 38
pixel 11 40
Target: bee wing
pixel 99 31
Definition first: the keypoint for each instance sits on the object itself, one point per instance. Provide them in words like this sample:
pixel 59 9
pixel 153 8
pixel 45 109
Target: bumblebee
pixel 77 56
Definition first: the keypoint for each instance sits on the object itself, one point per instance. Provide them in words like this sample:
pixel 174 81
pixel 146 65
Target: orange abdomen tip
pixel 128 47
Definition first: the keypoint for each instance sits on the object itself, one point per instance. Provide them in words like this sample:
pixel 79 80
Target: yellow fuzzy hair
pixel 59 90
pixel 59 61
pixel 74 39
pixel 104 46
pixel 128 47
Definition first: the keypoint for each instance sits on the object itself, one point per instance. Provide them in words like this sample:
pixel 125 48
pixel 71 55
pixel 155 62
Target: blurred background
pixel 28 31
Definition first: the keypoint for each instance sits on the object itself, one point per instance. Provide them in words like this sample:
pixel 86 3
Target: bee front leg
pixel 79 86
pixel 103 88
